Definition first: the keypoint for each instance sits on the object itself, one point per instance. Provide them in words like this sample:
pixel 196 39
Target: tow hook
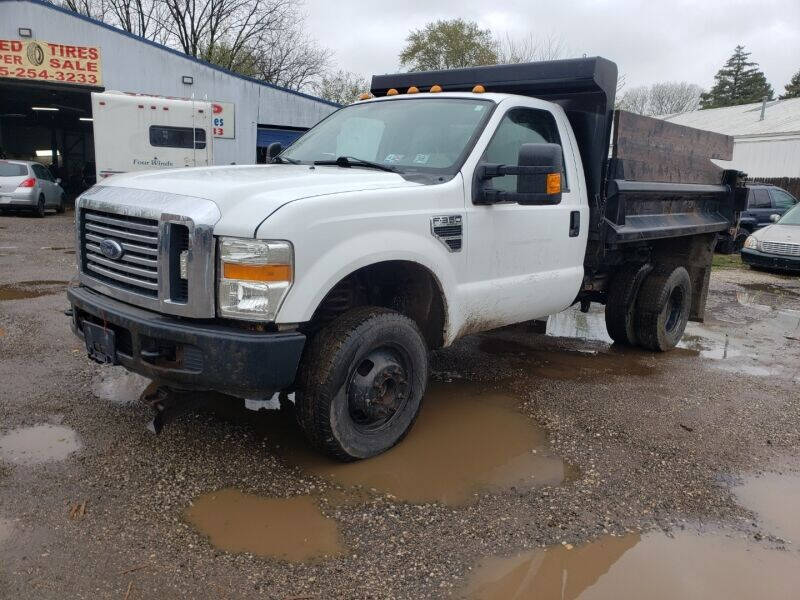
pixel 168 403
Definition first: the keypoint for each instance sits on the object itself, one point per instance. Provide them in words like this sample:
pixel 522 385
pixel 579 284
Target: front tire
pixel 361 383
pixel 662 308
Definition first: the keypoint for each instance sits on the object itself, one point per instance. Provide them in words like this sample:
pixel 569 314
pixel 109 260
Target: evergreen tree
pixel 740 81
pixel 792 88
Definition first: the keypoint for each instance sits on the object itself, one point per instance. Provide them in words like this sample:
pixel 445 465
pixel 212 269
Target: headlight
pixel 254 278
pixel 751 243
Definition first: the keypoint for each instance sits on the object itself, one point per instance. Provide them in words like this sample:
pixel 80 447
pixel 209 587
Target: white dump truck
pixel 446 203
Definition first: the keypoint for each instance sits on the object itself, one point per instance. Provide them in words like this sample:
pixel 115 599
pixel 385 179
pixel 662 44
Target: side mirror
pixel 539 172
pixel 274 149
pixel 58 180
pixel 774 218
pixel 542 185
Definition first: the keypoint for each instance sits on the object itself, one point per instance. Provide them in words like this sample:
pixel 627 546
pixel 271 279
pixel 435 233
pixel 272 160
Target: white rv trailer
pixel 135 132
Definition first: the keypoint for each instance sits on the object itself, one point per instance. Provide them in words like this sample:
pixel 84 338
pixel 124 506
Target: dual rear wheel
pixel 649 307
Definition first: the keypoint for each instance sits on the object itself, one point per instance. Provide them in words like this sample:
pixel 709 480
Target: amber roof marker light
pixel 391 92
pixel 478 89
pixel 435 89
pixel 413 90
pixel 364 96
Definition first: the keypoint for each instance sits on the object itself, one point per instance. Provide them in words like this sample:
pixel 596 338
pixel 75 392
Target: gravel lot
pixel 640 442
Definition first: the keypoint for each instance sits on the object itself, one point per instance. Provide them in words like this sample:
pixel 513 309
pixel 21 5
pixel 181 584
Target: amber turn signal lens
pixel 245 272
pixel 435 89
pixel 391 92
pixel 553 183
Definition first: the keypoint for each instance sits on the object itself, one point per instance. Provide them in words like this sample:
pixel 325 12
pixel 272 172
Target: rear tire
pixel 662 308
pixel 621 303
pixel 62 205
pixel 361 383
pixel 39 211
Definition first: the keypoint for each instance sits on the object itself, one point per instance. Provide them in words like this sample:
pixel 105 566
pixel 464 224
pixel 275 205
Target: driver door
pixel 526 261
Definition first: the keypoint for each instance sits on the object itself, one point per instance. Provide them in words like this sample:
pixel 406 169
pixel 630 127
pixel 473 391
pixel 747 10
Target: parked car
pixel 26 185
pixel 776 246
pixel 763 201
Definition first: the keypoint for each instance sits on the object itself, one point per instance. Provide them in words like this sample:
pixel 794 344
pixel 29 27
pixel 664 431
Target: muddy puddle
pixel 466 440
pixel 736 346
pixel 463 443
pixel 775 498
pixel 557 362
pixel 292 529
pixel 117 385
pixel 31 289
pixel 712 565
pixel 38 444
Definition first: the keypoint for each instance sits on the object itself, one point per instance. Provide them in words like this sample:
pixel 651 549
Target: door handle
pixel 574 223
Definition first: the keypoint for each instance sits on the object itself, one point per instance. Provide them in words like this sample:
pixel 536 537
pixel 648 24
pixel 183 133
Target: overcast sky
pixel 658 40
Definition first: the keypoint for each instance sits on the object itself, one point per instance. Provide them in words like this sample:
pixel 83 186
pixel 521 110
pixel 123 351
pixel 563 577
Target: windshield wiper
pixel 349 161
pixel 279 159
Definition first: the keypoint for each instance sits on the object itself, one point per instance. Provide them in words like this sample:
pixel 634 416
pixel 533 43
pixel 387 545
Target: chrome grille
pixel 783 248
pixel 137 269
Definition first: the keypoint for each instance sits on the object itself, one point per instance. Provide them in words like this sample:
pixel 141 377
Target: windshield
pixel 424 135
pixel 791 217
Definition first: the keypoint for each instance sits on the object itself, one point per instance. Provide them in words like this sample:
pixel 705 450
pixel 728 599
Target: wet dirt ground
pixel 542 465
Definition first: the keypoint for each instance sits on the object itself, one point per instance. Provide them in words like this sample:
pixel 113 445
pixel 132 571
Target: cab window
pixel 519 126
pixel 759 198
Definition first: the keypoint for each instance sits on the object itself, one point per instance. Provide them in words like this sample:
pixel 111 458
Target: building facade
pixel 766 136
pixel 52 59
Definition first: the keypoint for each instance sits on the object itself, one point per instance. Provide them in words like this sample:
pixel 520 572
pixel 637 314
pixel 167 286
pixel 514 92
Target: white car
pixel 28 185
pixel 776 246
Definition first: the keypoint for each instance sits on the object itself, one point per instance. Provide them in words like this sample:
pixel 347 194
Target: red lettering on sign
pixel 12 45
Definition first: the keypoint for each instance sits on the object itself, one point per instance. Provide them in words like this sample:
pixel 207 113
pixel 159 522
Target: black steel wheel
pixel 361 383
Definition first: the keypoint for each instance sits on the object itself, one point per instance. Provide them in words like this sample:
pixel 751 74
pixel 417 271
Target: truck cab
pixel 392 228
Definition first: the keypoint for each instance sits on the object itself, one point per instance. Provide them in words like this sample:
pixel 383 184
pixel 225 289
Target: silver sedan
pixel 30 186
pixel 776 246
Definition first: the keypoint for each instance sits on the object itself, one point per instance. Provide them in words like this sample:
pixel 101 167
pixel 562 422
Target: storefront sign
pixel 223 123
pixel 35 60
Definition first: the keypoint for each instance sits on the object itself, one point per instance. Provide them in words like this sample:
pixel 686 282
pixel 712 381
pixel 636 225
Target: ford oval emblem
pixel 111 249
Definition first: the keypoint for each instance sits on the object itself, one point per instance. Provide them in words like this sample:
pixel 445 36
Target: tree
pixel 739 82
pixel 530 49
pixel 342 87
pixel 792 88
pixel 449 45
pixel 661 98
pixel 258 38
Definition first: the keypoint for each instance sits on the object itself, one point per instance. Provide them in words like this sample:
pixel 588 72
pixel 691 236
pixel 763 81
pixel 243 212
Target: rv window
pixel 177 137
pixel 12 169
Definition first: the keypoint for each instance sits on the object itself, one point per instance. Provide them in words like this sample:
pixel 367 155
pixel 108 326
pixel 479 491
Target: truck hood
pixel 248 194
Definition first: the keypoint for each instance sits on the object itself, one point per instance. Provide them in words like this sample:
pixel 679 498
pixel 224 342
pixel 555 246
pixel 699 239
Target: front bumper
pixel 190 354
pixel 770 261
